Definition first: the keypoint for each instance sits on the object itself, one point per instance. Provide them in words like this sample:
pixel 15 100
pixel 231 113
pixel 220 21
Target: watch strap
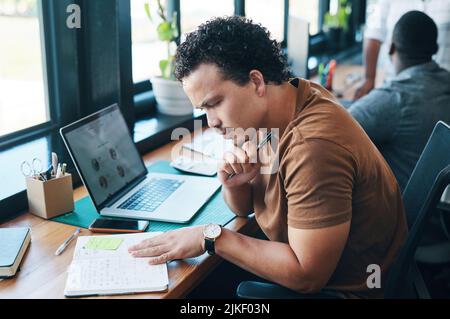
pixel 209 246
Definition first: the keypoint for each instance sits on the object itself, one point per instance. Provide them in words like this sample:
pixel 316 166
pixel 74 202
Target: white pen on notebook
pixel 67 242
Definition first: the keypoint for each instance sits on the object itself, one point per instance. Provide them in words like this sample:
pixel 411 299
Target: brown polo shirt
pixel 329 173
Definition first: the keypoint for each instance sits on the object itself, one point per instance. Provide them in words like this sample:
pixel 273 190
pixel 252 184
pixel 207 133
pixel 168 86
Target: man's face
pixel 228 106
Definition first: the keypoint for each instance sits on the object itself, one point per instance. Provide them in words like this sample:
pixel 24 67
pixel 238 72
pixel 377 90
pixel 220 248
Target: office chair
pixel 437 252
pixel 428 180
pixel 436 249
pixel 429 174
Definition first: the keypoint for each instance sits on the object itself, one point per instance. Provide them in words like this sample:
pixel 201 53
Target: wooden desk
pixel 43 275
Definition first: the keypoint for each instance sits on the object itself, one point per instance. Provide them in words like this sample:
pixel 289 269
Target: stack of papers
pixel 101 265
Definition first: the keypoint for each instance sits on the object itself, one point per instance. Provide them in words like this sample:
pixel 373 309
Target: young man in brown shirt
pixel 328 203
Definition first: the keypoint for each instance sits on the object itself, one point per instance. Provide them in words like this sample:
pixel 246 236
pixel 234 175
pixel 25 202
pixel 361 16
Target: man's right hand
pixel 364 88
pixel 242 163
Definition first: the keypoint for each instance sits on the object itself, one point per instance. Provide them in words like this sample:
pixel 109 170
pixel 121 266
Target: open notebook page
pixel 113 271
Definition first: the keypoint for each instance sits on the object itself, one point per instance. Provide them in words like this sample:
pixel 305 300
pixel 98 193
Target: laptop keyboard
pixel 151 195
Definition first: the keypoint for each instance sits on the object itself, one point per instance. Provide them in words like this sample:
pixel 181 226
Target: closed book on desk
pixel 101 265
pixel 13 244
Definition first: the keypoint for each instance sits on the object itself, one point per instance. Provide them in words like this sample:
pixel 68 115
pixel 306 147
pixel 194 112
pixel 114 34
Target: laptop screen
pixel 104 152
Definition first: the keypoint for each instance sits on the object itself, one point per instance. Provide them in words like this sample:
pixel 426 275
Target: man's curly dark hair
pixel 237 46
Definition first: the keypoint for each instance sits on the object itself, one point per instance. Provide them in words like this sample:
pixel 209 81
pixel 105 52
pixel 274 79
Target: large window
pixel 23 94
pixel 52 76
pixel 308 10
pixel 196 12
pixel 270 13
pixel 147 49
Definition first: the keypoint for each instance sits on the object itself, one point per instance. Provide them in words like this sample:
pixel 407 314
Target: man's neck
pixel 407 63
pixel 282 107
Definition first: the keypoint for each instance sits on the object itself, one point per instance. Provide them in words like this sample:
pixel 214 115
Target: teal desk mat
pixel 214 211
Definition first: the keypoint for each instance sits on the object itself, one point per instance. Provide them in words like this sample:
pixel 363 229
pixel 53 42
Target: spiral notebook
pixel 101 265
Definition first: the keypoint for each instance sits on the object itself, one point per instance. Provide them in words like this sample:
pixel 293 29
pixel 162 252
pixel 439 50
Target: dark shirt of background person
pixel 400 116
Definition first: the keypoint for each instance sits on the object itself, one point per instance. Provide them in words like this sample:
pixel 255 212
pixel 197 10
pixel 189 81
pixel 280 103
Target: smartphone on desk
pixel 110 225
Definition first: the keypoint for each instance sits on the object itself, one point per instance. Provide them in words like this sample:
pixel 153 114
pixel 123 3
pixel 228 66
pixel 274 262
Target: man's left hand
pixel 177 244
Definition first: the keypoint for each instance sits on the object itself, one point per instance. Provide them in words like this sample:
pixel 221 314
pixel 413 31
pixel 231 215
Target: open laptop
pixel 117 180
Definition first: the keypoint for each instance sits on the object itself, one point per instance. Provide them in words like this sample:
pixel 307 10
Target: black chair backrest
pixel 423 192
pixel 434 158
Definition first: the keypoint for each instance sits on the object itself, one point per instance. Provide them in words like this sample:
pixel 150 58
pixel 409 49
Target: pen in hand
pixel 67 242
pixel 263 142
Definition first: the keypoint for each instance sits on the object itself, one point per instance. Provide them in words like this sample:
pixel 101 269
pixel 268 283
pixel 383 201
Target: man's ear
pixel 257 80
pixel 392 49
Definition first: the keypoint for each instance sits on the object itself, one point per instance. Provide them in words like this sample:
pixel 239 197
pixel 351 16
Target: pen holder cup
pixel 48 199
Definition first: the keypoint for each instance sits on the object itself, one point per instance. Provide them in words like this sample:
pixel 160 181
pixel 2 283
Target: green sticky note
pixel 103 243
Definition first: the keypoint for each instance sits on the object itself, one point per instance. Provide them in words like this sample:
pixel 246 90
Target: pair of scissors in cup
pixel 33 169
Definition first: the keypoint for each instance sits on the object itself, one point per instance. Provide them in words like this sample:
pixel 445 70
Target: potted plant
pixel 336 26
pixel 169 93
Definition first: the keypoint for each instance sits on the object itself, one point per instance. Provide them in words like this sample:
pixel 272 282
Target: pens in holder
pixel 54 163
pixel 260 145
pixel 58 171
pixel 48 195
pixel 329 79
pixel 63 169
pixel 48 173
pixel 320 73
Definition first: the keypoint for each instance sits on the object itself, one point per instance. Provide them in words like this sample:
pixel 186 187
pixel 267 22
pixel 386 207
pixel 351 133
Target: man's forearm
pixel 371 51
pixel 270 260
pixel 239 199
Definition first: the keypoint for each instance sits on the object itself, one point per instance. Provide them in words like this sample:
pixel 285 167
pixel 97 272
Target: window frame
pixel 100 54
pixel 61 76
pixel 18 136
pixel 146 85
pixel 63 101
pixel 318 41
pixel 59 44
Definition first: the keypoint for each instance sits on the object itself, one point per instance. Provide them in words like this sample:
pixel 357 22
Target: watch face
pixel 212 231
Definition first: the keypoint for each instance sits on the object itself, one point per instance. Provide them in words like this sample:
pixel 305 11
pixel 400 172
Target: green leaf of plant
pixel 340 19
pixel 165 69
pixel 330 20
pixel 147 10
pixel 165 31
